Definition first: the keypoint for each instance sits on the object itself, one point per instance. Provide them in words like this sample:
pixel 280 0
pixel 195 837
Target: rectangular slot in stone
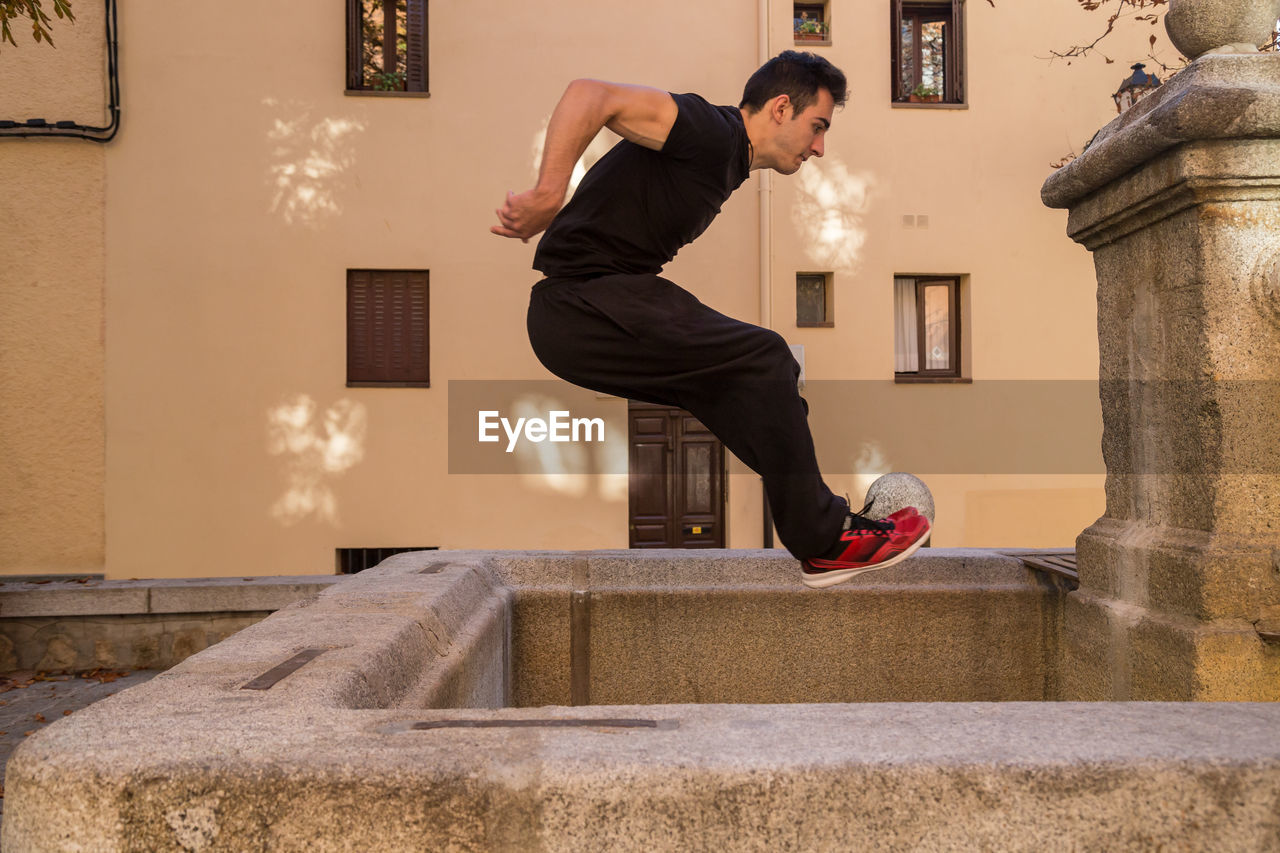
pixel 549 722
pixel 281 671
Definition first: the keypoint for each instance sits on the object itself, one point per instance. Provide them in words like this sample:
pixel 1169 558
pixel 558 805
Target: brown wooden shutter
pixel 387 328
pixel 895 51
pixel 416 64
pixel 355 45
pixel 955 55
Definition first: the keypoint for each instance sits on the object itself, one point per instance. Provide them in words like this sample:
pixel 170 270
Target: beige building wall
pixel 244 184
pixel 52 196
pixel 240 194
pixel 1028 296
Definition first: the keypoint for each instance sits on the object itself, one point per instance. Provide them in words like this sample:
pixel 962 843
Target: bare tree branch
pixel 1122 12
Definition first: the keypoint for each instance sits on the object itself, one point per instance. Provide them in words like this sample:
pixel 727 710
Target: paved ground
pixel 29 702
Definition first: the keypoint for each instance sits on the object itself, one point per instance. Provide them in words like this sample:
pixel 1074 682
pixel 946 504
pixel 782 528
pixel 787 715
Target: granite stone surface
pixel 1178 198
pixel 393 735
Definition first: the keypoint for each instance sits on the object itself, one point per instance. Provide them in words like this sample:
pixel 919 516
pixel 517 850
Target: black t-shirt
pixel 637 207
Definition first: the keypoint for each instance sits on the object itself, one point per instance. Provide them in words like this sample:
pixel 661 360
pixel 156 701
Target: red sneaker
pixel 867 546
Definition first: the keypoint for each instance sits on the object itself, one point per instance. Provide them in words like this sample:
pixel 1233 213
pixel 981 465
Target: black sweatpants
pixel 645 338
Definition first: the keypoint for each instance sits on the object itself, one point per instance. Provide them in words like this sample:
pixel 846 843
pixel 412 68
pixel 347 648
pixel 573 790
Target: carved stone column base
pixel 1179 201
pixel 1168 614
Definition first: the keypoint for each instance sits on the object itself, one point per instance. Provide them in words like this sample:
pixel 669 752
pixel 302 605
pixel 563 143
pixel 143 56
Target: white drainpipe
pixel 765 186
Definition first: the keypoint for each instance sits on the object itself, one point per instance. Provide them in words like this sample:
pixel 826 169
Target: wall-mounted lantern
pixel 1135 88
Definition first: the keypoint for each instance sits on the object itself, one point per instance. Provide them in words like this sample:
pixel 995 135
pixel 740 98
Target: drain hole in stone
pixel 278 673
pixel 608 723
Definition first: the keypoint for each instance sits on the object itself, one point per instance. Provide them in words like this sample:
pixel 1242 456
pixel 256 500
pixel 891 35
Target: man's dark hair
pixel 797 75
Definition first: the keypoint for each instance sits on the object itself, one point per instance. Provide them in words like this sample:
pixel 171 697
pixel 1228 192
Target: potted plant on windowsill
pixel 923 94
pixel 806 30
pixel 389 81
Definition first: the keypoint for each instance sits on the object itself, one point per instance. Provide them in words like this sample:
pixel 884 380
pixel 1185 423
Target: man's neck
pixel 753 122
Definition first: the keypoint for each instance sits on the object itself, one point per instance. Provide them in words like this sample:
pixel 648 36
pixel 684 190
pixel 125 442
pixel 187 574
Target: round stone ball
pixel 1197 27
pixel 892 492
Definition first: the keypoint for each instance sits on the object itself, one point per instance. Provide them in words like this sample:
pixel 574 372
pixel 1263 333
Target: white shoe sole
pixel 836 576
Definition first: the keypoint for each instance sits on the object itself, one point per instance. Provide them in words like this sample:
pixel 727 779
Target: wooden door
pixel 677 480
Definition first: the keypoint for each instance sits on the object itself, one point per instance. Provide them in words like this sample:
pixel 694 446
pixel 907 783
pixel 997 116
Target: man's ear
pixel 778 108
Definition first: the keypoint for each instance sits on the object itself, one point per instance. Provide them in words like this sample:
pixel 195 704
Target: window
pixel 815 300
pixel 387 330
pixel 926 335
pixel 387 46
pixel 928 51
pixel 353 560
pixel 811 23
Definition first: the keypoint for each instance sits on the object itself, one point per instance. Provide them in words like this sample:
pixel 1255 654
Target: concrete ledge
pixel 145 624
pixel 660 569
pixel 68 598
pixel 738 626
pixel 883 776
pixel 341 747
pixel 184 595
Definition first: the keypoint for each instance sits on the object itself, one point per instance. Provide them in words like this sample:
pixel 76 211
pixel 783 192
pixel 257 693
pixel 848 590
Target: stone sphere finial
pixel 896 490
pixel 1197 27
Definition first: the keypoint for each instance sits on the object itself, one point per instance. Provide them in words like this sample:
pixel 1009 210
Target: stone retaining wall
pixel 76 626
pixel 371 717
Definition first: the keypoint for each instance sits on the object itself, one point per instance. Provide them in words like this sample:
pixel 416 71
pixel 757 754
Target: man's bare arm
pixel 636 113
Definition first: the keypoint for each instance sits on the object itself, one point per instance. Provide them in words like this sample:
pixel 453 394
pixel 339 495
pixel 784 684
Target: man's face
pixel 802 136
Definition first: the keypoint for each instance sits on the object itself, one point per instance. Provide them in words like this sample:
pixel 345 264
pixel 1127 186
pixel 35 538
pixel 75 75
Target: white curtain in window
pixel 905 345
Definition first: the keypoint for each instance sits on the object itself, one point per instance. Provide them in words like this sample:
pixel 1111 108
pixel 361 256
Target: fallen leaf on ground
pixel 103 676
pixel 16 681
pixel 40 718
pixel 29 734
pixel 67 713
pixel 53 675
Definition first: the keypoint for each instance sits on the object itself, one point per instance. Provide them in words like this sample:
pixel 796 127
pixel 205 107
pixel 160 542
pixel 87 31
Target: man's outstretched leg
pixel 645 338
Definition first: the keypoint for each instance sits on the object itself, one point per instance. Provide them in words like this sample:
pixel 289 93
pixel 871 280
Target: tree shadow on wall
pixel 310 159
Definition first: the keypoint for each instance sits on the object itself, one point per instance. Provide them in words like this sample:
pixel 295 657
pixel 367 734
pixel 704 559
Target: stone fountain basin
pixel 646 700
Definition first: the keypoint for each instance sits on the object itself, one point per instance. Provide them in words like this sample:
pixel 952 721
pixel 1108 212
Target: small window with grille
pixel 815 300
pixel 387 329
pixel 352 560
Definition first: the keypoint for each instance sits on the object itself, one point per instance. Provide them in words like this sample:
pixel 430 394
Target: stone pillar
pixel 1178 199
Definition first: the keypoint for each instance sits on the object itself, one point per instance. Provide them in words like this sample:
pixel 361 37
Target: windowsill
pixel 830 324
pixel 388 384
pixel 813 42
pixel 907 105
pixel 374 93
pixel 915 379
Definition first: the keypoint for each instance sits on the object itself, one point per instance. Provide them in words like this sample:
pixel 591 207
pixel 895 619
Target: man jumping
pixel 604 319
